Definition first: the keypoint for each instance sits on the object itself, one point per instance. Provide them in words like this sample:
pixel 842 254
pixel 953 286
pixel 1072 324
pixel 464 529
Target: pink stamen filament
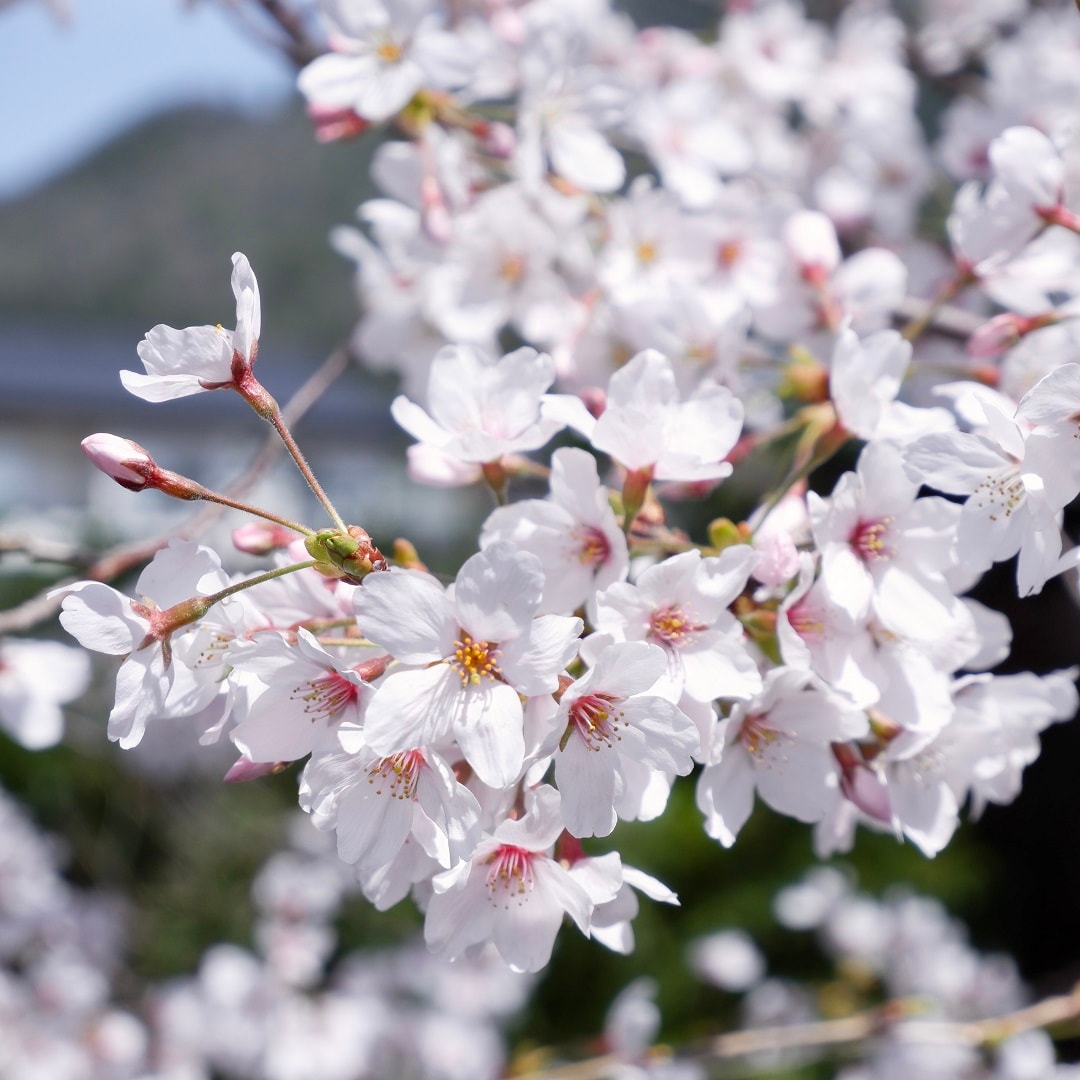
pixel 593 547
pixel 597 720
pixel 400 771
pixel 327 697
pixel 510 871
pixel 868 538
pixel 673 627
pixel 755 735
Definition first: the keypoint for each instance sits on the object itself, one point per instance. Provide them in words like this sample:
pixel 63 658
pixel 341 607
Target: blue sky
pixel 67 89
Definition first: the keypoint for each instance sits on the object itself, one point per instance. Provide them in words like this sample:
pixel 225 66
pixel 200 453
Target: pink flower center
pixel 597 719
pixel 398 774
pixel 327 697
pixel 868 538
pixel 673 627
pixel 475 660
pixel 510 872
pixel 593 547
pixel 806 622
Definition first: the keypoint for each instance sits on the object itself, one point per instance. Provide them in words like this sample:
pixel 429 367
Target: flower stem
pixel 206 495
pixel 247 583
pixel 952 288
pixel 301 463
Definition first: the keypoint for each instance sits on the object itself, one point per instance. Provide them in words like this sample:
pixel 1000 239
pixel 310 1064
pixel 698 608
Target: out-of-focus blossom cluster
pixel 709 255
pixel 294 1007
pixel 903 949
pixel 274 1011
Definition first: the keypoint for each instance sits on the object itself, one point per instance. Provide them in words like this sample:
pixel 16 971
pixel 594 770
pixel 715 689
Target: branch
pixel 892 1019
pixel 946 319
pixel 295 41
pixel 118 560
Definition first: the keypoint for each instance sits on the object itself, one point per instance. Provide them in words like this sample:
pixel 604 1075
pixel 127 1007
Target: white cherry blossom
pixel 198 358
pixel 471 652
pixel 779 745
pixel 647 428
pixel 681 604
pixel 36 678
pixel 482 408
pixel 609 717
pixel 574 533
pixel 512 892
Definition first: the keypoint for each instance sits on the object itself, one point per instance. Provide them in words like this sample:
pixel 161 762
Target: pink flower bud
pixel 499 140
pixel 244 769
pixel 1002 332
pixel 333 125
pixel 261 537
pixel 129 464
pixel 996 336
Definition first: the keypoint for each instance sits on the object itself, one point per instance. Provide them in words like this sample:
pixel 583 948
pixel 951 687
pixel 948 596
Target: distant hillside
pixel 142 232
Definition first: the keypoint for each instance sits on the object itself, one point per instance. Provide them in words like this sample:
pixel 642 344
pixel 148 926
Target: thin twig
pixel 118 560
pixel 947 319
pixel 893 1019
pixel 295 41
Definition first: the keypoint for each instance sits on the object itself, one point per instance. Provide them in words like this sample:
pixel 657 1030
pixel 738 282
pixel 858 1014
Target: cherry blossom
pixel 141 632
pixel 681 605
pixel 466 656
pixel 36 678
pixel 512 892
pixel 198 358
pixel 574 533
pixel 612 722
pixel 777 744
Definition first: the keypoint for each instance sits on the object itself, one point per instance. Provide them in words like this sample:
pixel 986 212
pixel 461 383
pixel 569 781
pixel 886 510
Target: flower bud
pixel 351 556
pixel 499 140
pixel 132 467
pixel 243 769
pixel 261 537
pixel 1002 332
pixel 332 125
pixel 129 464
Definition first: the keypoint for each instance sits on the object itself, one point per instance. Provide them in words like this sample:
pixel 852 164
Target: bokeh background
pixel 141 143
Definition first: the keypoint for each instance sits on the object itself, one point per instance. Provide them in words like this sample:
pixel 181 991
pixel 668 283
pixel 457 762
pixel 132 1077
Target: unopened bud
pixel 350 556
pixel 132 467
pixel 406 555
pixel 724 533
pixel 499 140
pixel 1002 332
pixel 805 378
pixel 244 769
pixel 261 537
pixel 128 463
pixel 332 125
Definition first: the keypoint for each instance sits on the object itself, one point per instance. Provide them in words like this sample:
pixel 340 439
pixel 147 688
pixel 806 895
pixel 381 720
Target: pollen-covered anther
pixel 756 735
pixel 512 268
pixel 646 252
pixel 868 539
pixel 327 697
pixel 597 719
pixel 510 872
pixel 399 772
pixel 389 51
pixel 591 545
pixel 672 626
pixel 213 651
pixel 475 660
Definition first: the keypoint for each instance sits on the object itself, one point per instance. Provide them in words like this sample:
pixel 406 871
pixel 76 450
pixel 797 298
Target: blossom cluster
pixel 295 1005
pixel 732 303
